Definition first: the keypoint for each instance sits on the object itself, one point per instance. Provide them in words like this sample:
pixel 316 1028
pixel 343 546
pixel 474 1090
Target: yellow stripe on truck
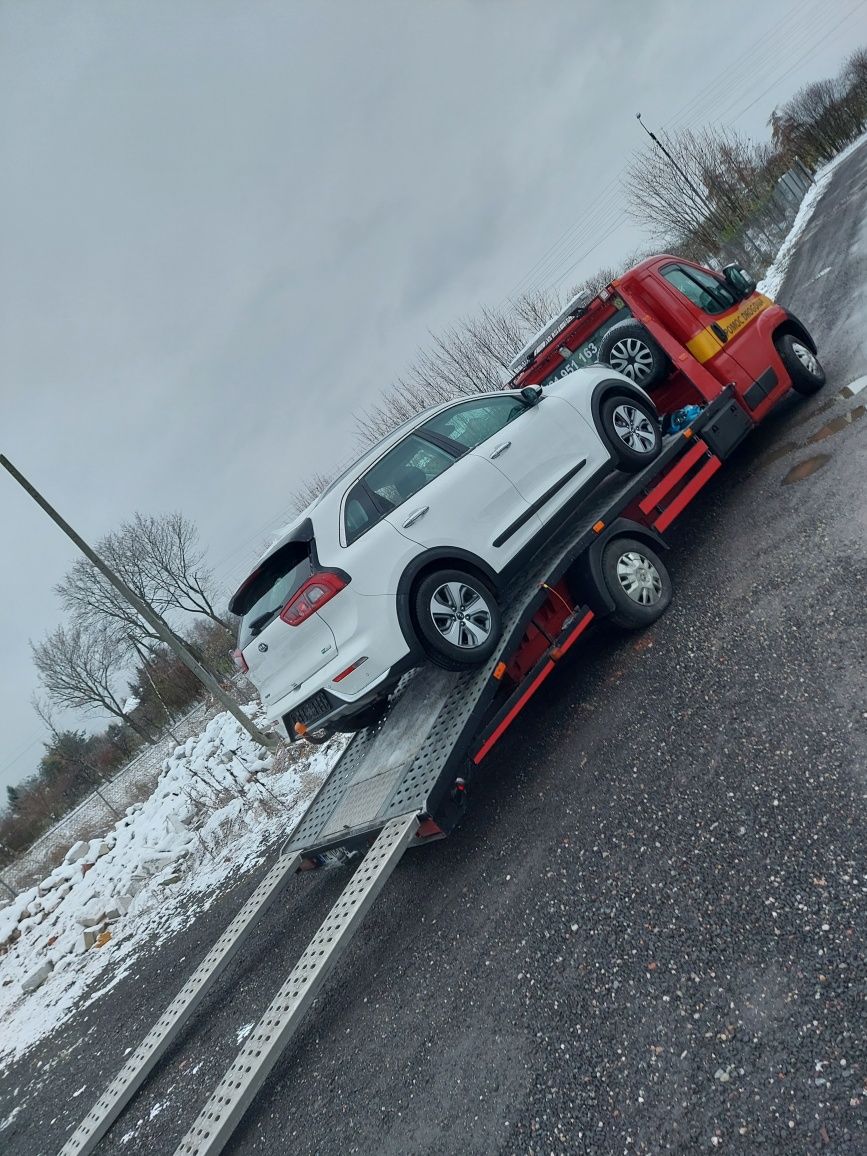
pixel 706 344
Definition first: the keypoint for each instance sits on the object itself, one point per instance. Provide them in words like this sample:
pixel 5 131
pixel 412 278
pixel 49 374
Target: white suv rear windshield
pixel 272 587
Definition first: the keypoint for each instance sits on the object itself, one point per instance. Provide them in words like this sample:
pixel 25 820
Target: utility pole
pixel 147 612
pixel 698 193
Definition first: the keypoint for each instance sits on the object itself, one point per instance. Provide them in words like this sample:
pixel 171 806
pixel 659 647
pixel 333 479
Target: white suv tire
pixel 457 618
pixel 631 428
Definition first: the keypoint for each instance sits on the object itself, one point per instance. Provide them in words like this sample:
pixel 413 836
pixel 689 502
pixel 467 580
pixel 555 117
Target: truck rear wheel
pixel 804 367
pixel 629 348
pixel 638 582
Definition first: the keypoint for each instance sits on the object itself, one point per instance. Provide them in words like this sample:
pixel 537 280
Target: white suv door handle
pixel 501 449
pixel 414 516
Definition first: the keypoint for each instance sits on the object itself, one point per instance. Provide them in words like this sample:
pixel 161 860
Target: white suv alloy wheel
pixel 461 615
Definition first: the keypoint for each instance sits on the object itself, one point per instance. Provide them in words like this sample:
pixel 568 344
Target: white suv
pixel 403 557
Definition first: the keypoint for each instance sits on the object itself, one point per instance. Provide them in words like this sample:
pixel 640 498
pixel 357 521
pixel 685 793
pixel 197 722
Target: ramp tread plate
pixel 265 1043
pixel 331 792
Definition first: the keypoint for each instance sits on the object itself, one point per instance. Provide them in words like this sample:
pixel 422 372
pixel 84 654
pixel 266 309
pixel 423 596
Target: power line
pixel 728 78
pixel 589 228
pixel 623 217
pixel 599 197
pixel 574 235
pixel 20 755
pixel 801 59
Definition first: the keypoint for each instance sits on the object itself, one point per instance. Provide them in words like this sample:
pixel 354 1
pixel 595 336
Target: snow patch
pixel 220 805
pixel 856 386
pixel 244 1031
pixel 773 279
pixel 4 1124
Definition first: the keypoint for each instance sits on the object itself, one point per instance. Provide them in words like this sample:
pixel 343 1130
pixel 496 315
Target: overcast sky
pixel 224 226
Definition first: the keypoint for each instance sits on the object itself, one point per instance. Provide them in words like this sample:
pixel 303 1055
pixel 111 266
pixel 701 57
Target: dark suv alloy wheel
pixel 629 348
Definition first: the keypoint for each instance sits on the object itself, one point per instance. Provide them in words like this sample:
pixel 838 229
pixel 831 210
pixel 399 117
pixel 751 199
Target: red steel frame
pixel 548 666
pixel 679 486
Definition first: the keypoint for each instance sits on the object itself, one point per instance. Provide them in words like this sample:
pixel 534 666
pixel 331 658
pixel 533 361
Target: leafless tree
pixel 708 191
pixel 535 307
pixel 309 490
pixel 854 77
pixel 824 116
pixel 79 669
pixel 167 551
pixel 468 358
pixel 161 560
pixel 92 603
pixel 608 273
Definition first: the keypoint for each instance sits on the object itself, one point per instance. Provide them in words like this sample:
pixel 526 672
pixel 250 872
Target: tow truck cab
pixel 712 329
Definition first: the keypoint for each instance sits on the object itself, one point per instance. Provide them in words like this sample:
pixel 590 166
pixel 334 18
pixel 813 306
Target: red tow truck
pixel 683 333
pixel 691 338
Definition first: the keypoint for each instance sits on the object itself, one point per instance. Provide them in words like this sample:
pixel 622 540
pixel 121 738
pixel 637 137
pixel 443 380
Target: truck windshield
pixel 272 588
pixel 588 351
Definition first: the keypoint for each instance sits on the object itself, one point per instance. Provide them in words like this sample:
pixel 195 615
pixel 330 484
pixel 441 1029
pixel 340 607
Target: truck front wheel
pixel 638 582
pixel 803 366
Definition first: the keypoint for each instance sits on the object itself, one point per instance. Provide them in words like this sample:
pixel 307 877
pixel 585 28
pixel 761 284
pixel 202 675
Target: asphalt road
pixel 649 933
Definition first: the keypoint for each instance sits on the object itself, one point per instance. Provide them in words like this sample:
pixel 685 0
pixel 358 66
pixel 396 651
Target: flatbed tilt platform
pixel 442 724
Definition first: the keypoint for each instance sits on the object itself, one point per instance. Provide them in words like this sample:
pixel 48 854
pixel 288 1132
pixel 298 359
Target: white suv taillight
pixel 307 599
pixel 240 661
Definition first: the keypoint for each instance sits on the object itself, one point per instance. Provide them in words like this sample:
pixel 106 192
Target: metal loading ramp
pixel 170 1024
pixel 230 1100
pixel 276 1028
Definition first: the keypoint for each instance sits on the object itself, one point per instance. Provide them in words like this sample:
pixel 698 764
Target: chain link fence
pixel 92 816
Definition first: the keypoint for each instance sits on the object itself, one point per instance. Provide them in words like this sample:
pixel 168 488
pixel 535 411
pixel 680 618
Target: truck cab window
pixel 704 291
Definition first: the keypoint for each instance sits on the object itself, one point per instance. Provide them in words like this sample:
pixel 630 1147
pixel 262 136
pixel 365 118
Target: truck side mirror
pixel 739 280
pixel 532 394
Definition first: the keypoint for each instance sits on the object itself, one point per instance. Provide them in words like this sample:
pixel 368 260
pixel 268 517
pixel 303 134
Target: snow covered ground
pixel 773 279
pixel 220 804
